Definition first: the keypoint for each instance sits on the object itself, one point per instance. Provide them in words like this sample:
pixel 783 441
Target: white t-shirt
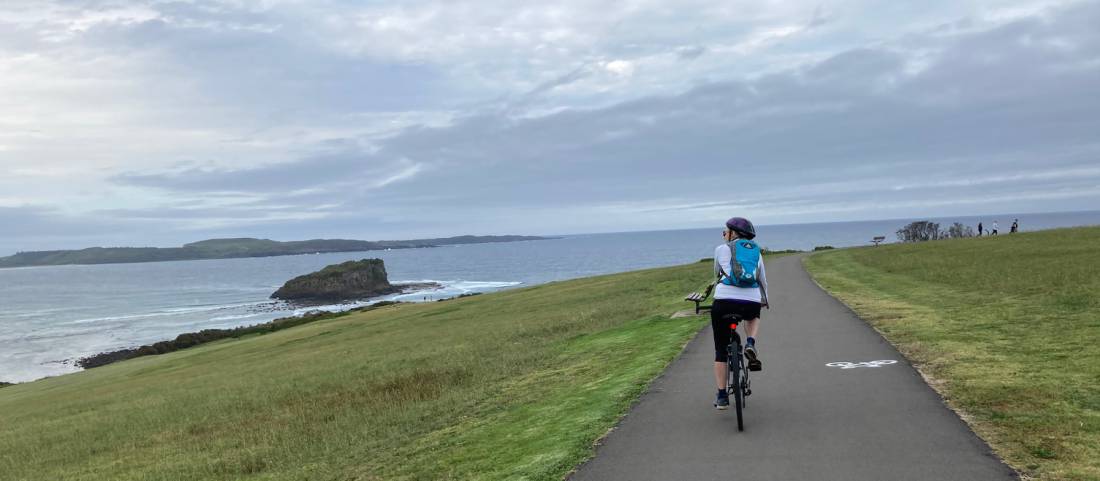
pixel 722 258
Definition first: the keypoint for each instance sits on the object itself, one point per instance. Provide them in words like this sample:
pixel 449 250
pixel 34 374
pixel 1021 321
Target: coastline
pixel 83 310
pixel 191 339
pixel 299 393
pixel 237 248
pixel 220 321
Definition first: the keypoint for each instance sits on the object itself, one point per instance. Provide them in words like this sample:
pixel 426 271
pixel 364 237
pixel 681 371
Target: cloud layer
pixel 330 119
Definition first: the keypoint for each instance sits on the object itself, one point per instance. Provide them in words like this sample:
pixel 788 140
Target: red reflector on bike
pixel 733 325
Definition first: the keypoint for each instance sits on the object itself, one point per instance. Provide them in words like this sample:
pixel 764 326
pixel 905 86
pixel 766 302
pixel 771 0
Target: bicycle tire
pixel 738 394
pixel 735 369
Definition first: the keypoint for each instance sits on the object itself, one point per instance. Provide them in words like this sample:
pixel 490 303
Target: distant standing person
pixel 1015 226
pixel 994 232
pixel 732 296
pixel 979 229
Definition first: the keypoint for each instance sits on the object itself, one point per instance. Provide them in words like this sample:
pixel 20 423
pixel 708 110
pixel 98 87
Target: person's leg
pixel 751 327
pixel 721 332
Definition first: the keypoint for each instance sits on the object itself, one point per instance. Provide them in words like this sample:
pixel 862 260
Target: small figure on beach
pixel 1015 226
pixel 994 231
pixel 979 228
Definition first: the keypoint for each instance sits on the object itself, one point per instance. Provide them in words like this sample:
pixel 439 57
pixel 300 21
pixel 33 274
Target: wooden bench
pixel 698 298
pixel 878 240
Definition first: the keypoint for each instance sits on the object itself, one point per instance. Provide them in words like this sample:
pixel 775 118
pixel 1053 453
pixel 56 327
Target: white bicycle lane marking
pixel 853 365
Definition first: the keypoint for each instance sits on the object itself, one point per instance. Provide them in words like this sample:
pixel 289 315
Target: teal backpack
pixel 744 263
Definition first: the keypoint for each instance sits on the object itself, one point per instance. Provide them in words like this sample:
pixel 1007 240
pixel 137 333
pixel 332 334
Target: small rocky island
pixel 349 281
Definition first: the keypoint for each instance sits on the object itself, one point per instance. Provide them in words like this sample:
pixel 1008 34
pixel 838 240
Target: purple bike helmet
pixel 742 227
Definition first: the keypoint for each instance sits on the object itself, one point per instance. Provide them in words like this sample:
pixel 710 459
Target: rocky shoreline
pixel 338 283
pixel 191 339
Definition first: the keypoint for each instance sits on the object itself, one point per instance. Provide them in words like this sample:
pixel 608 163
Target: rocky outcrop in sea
pixel 349 281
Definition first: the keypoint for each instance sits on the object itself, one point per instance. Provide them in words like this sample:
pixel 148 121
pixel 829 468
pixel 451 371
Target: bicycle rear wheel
pixel 739 400
pixel 735 365
pixel 734 388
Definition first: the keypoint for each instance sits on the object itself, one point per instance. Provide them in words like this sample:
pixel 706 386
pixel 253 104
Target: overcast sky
pixel 162 122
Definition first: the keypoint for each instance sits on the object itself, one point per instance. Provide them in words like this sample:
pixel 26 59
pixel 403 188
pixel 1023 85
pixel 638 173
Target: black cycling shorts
pixel 720 314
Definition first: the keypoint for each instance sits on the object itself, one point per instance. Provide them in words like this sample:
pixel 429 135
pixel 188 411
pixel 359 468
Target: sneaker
pixel 750 352
pixel 722 402
pixel 751 355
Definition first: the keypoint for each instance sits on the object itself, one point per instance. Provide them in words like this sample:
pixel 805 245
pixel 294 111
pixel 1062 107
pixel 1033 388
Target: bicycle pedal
pixel 755 366
pixel 748 392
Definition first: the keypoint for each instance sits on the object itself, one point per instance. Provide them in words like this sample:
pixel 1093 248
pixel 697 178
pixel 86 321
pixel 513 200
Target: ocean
pixel 51 316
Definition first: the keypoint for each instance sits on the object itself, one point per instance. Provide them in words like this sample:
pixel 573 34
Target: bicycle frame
pixel 737 373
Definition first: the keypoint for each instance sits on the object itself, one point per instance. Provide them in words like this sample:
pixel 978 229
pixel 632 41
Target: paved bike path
pixel 804 420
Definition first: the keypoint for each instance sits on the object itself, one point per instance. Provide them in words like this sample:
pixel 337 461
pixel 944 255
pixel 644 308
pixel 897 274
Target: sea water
pixel 50 316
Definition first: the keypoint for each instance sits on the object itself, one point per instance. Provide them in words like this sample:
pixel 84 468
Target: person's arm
pixel 717 273
pixel 723 258
pixel 763 284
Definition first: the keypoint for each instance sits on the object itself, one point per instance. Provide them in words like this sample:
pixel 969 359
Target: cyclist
pixel 731 299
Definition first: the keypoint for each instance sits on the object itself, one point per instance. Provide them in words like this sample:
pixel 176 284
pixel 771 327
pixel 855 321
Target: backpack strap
pixel 722 274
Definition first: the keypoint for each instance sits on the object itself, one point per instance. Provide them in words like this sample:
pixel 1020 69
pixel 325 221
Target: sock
pixel 721 392
pixel 751 341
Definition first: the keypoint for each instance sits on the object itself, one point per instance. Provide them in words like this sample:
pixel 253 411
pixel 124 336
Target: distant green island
pixel 234 248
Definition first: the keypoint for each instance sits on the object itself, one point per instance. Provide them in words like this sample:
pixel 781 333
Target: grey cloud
pixel 275 69
pixel 582 71
pixel 37 227
pixel 857 67
pixel 345 165
pixel 819 18
pixel 31 220
pixel 794 127
pixel 690 53
pixel 988 103
pixel 239 212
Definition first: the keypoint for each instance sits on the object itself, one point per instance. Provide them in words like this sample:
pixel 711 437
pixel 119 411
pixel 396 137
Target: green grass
pixel 1007 328
pixel 512 385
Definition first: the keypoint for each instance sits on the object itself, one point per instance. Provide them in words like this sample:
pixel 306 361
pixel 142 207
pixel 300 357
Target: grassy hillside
pixel 512 385
pixel 1007 327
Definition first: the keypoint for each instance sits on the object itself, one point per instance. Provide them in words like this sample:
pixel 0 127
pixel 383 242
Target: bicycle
pixel 737 372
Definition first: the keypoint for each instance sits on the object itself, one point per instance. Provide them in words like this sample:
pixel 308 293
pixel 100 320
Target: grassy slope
pixel 513 385
pixel 1008 328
